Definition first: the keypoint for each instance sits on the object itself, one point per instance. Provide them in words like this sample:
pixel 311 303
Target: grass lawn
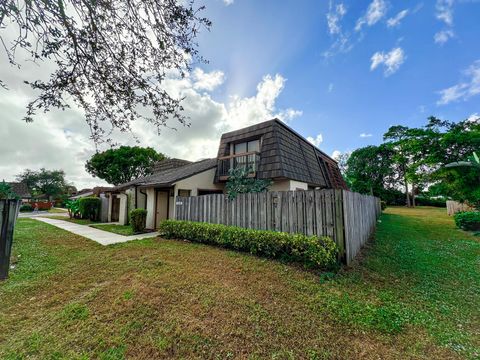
pixel 415 295
pixel 114 228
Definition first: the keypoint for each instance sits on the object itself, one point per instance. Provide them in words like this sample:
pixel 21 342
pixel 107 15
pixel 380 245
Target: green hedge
pixel 26 208
pixel 423 201
pixel 468 220
pixel 89 208
pixel 312 251
pixel 138 220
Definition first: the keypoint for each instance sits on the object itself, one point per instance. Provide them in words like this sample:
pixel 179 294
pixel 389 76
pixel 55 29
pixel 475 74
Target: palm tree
pixel 474 162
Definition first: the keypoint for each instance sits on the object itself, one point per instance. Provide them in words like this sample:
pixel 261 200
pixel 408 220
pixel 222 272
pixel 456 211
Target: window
pixel 209 192
pixel 240 148
pixel 253 145
pixel 249 146
pixel 184 193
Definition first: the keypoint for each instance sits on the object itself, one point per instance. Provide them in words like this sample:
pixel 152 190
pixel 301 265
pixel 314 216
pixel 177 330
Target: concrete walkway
pixel 100 236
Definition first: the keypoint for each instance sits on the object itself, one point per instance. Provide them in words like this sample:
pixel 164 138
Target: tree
pixel 6 191
pixel 369 170
pixel 111 57
pixel 118 166
pixel 240 183
pixel 51 183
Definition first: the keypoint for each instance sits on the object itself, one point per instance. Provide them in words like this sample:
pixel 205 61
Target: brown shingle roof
pixel 171 175
pixel 21 189
pixel 284 153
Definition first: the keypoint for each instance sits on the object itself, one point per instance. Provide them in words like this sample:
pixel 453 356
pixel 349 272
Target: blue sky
pixel 333 70
pixel 339 95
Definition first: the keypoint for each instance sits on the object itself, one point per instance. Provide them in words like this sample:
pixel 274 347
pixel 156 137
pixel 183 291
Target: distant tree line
pixel 414 161
pixel 47 184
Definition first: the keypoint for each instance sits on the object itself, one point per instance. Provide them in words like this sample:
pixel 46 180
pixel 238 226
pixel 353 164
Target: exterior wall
pixel 280 185
pixel 297 185
pixel 109 214
pixel 201 181
pixel 288 185
pixel 123 216
pixel 150 206
pixel 141 200
pixel 104 208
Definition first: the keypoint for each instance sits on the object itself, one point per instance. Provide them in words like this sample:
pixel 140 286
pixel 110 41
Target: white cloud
pixel 228 2
pixel 391 60
pixel 316 140
pixel 60 139
pixel 330 87
pixel 474 118
pixel 395 21
pixel 365 135
pixel 336 154
pixel 444 11
pixel 443 36
pixel 334 15
pixel 207 81
pixel 464 90
pixel 375 12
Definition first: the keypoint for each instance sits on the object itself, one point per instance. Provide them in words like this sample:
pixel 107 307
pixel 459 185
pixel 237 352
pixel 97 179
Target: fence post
pixel 340 224
pixel 8 216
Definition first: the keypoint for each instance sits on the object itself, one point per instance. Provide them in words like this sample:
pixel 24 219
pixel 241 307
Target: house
pixel 97 191
pixel 101 192
pixel 270 150
pixel 21 189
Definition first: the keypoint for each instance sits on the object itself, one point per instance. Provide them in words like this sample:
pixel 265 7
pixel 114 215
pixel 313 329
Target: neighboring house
pixel 97 191
pixel 21 189
pixel 271 150
pixel 100 192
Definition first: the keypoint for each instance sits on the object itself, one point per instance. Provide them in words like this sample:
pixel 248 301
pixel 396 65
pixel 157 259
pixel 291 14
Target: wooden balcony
pixel 249 160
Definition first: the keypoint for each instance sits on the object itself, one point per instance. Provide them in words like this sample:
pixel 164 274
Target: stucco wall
pixel 202 181
pixel 288 185
pixel 150 208
pixel 123 213
pixel 297 185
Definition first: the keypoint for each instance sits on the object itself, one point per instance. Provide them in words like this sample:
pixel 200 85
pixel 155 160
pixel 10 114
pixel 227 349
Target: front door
pixel 162 207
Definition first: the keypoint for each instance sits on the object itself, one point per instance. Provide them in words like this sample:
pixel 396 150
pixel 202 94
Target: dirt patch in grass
pixel 69 297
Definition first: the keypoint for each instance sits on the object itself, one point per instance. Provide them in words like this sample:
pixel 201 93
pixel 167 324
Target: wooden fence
pixel 348 218
pixel 454 206
pixel 8 216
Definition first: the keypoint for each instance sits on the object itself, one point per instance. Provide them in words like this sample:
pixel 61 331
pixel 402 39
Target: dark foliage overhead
pixel 111 56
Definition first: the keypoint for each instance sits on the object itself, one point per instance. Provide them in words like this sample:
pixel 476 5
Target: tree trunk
pixel 413 195
pixel 407 193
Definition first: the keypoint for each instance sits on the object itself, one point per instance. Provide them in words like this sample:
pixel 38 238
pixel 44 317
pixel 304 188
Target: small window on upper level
pixel 249 146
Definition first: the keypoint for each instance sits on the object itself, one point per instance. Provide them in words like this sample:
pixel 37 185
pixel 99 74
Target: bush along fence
pixel 311 251
pixel 347 218
pixel 8 216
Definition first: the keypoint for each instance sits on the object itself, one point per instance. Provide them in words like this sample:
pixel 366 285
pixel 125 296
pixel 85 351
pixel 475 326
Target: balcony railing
pixel 249 160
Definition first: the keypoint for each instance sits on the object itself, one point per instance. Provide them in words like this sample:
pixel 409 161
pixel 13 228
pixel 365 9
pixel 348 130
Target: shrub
pixel 26 208
pixel 312 251
pixel 468 220
pixel 138 220
pixel 73 207
pixel 383 205
pixel 424 201
pixel 89 207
